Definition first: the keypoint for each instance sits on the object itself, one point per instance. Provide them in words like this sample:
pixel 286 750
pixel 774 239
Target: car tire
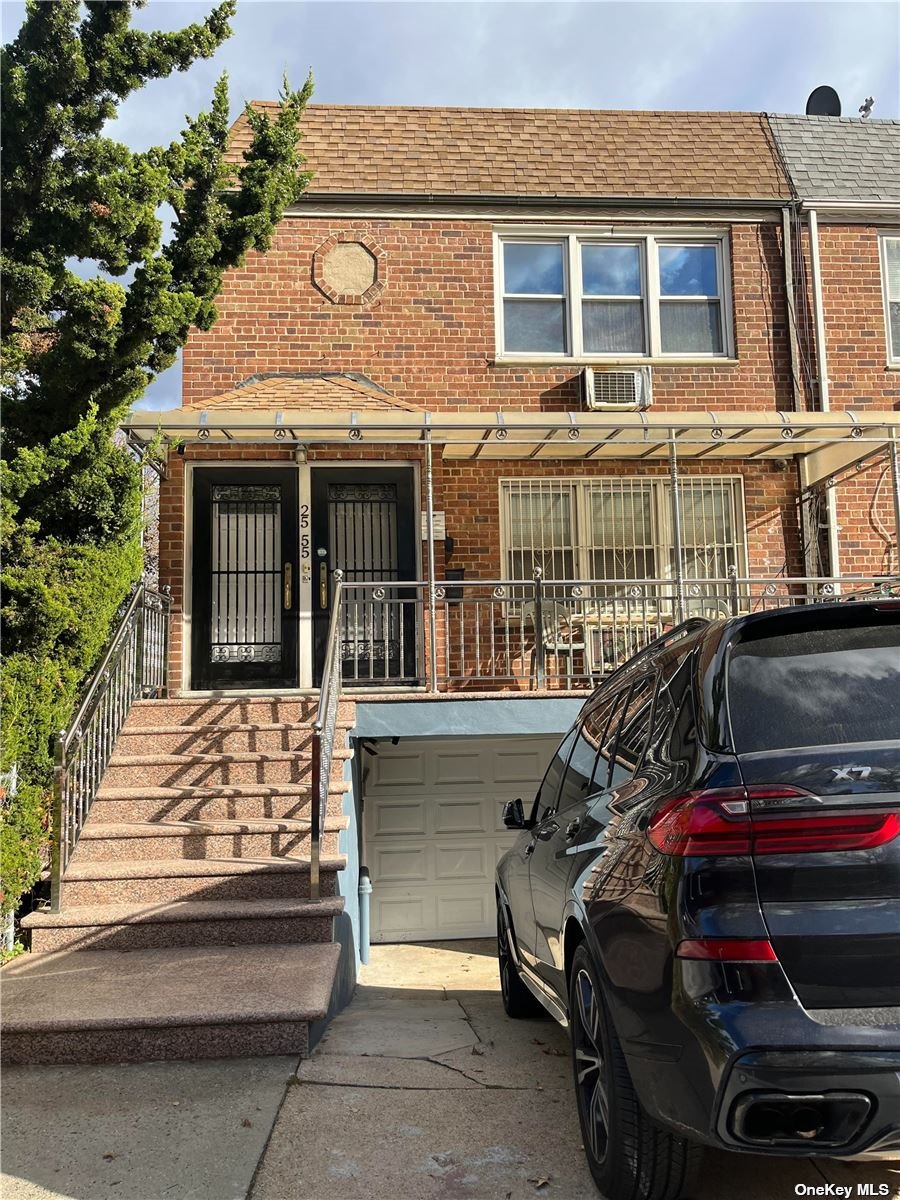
pixel 629 1155
pixel 518 1002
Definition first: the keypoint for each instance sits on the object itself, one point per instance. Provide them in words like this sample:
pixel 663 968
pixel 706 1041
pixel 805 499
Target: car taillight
pixel 719 822
pixel 727 950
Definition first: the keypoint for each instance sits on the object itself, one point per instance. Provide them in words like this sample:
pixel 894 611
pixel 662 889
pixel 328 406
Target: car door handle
pixel 572 829
pixel 529 850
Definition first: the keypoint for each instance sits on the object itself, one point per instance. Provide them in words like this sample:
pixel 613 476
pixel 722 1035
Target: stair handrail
pixel 323 735
pixel 135 663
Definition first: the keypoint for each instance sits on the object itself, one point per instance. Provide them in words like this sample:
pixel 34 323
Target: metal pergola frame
pixel 823 444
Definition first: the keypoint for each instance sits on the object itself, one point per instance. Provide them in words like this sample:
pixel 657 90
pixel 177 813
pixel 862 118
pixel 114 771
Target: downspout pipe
pixel 787 249
pixel 834 560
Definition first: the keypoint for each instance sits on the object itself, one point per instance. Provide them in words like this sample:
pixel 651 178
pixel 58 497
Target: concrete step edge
pixel 213 791
pixel 269 727
pixel 156 829
pixel 212 757
pixel 197 868
pixel 178 911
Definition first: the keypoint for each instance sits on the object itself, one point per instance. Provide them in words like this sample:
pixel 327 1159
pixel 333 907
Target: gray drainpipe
pixel 824 399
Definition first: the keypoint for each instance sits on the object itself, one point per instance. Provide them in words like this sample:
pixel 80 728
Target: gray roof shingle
pixel 840 158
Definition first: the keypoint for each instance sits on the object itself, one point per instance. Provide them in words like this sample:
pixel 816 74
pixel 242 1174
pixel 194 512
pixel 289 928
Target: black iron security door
pixel 245 578
pixel 363 524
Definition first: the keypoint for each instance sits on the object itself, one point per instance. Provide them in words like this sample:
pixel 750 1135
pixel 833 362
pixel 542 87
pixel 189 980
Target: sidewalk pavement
pixel 421 1090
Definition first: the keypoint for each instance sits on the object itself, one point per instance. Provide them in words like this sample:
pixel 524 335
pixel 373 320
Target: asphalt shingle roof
pixel 840 158
pixel 311 391
pixel 534 152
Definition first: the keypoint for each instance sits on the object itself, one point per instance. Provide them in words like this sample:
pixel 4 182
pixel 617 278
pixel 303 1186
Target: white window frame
pixel 892 236
pixel 648 242
pixel 661 516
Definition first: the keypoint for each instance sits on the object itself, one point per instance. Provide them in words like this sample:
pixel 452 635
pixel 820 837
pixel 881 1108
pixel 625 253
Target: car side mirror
pixel 514 815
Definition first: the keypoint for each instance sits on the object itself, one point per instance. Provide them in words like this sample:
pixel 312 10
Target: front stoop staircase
pixel 186 928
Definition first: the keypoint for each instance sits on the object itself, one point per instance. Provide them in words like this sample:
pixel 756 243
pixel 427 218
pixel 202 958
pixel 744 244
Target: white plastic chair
pixel 561 635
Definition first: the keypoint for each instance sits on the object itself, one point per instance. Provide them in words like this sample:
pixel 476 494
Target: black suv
pixel 706 890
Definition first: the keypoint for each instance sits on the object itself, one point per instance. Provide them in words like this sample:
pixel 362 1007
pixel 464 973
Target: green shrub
pixel 59 606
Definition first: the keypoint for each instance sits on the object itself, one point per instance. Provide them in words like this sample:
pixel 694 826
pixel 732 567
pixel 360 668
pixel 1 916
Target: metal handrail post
pixel 539 655
pixel 676 530
pixel 323 736
pixel 432 585
pixel 733 591
pixel 166 593
pixel 59 783
pixel 315 814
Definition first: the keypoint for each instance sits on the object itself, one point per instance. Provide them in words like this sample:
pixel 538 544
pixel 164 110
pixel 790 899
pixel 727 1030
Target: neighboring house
pixel 539 384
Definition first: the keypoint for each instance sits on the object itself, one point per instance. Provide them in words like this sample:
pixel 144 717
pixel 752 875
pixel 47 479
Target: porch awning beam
pixel 825 443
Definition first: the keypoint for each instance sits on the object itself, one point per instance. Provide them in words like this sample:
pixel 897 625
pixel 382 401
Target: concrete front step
pixel 95 1006
pixel 231 802
pixel 180 770
pixel 217 739
pixel 165 880
pixel 135 840
pixel 239 710
pixel 183 923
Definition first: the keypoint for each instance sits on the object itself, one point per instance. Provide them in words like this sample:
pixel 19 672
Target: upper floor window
pixel 576 296
pixel 890 272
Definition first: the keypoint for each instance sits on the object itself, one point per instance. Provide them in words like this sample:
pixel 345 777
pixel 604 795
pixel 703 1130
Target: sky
pixel 762 55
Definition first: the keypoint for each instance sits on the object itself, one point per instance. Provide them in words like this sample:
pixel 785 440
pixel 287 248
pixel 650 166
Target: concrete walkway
pixel 421 1090
pixel 424 1090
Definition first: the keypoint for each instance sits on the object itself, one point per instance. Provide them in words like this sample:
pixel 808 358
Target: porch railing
pixel 538 633
pixel 134 665
pixel 323 735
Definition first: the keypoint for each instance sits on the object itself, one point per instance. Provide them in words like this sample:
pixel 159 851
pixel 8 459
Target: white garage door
pixel 434 833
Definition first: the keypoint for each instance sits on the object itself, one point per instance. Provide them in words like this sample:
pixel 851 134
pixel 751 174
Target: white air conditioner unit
pixel 628 390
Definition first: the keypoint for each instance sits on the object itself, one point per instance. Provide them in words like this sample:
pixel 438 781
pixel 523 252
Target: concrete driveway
pixel 424 1090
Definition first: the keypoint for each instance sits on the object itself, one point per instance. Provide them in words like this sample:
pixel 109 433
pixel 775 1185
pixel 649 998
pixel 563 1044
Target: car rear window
pixel 816 687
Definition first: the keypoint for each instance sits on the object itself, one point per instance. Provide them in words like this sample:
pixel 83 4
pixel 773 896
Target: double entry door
pixel 262 574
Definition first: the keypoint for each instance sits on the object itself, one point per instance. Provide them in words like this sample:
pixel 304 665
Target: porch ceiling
pixel 824 442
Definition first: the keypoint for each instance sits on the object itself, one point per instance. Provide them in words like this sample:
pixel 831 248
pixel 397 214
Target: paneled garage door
pixel 434 833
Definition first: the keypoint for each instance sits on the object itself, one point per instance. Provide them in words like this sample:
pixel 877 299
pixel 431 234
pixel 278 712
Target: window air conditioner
pixel 617 389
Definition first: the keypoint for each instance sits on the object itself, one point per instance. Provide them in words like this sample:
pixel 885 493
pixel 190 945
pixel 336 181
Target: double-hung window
pixel 580 296
pixel 620 529
pixel 890 274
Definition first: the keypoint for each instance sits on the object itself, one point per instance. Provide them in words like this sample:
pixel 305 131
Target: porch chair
pixel 562 634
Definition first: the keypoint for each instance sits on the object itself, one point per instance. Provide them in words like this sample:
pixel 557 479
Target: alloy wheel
pixel 591 1080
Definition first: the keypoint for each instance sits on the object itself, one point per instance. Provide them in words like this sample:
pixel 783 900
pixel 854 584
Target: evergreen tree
pixel 78 352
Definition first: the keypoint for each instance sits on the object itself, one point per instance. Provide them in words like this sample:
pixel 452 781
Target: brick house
pixel 512 392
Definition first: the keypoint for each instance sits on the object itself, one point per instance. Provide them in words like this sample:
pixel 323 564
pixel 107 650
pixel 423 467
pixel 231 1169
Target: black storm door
pixel 245 578
pixel 363 524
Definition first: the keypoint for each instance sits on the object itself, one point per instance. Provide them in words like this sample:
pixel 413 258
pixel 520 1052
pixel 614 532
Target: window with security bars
pixel 620 529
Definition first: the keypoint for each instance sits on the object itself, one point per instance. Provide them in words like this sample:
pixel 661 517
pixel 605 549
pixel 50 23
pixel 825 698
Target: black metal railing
pixel 324 728
pixel 134 666
pixel 541 633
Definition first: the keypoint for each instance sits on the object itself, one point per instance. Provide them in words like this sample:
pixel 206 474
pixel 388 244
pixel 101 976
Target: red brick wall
pixel 429 337
pixel 866 521
pixel 853 307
